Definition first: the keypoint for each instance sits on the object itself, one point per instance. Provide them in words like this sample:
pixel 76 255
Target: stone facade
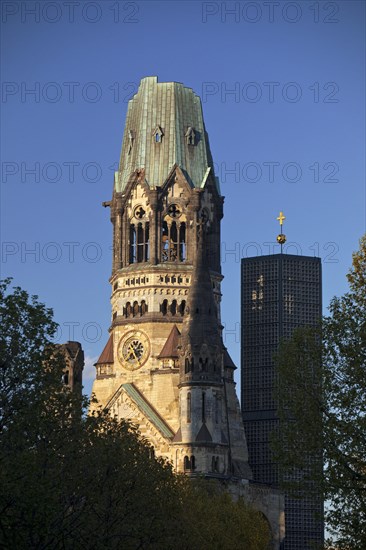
pixel 74 365
pixel 165 366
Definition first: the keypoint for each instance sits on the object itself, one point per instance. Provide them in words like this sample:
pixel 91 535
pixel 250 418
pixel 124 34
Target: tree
pixel 69 480
pixel 321 394
pixel 216 521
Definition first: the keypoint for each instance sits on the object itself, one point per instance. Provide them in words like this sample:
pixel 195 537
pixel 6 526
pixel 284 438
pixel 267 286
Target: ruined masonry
pixel 165 366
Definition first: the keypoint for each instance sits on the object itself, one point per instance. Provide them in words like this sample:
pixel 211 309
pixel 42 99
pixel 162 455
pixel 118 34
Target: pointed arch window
pixel 217 405
pixel 190 136
pixel 215 464
pixel 135 309
pixel 164 307
pixel 143 307
pixel 189 407
pixel 128 309
pixel 182 307
pixel 187 365
pixel 147 242
pixel 182 242
pixel 189 463
pixel 139 242
pixel 158 134
pixel 173 241
pixel 132 243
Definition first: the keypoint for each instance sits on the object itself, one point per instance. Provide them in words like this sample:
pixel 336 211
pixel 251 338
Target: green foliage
pixel 321 393
pixel 69 480
pixel 218 522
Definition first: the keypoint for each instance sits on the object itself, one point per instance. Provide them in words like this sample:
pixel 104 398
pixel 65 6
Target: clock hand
pixel 134 354
pixel 129 352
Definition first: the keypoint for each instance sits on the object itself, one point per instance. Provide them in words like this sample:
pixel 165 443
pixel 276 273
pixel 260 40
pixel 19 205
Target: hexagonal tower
pixel 165 365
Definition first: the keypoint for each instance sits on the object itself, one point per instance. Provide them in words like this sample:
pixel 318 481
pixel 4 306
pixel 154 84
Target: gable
pixel 128 402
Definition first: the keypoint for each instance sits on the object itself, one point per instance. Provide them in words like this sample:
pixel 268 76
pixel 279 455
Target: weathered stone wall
pixel 166 211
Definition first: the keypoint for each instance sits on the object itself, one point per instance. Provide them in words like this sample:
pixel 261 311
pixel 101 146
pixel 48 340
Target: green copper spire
pixel 164 127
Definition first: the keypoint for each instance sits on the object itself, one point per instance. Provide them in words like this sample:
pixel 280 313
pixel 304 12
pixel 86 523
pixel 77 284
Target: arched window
pixel 217 404
pixel 189 407
pixel 165 243
pixel 128 309
pixel 203 407
pixel 143 307
pixel 147 242
pixel 164 307
pixel 158 134
pixel 173 307
pixel 190 136
pixel 182 307
pixel 139 242
pixel 215 464
pixel 132 244
pixel 135 309
pixel 65 377
pixel 182 242
pixel 187 365
pixel 173 241
pixel 193 462
pixel 187 463
pixel 173 252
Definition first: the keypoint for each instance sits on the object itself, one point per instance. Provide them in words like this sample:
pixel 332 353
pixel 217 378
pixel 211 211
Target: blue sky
pixel 282 85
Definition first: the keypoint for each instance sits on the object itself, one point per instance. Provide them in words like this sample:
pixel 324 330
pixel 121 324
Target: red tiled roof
pixel 170 348
pixel 107 354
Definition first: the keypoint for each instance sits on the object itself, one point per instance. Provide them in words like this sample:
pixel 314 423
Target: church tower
pixel 165 366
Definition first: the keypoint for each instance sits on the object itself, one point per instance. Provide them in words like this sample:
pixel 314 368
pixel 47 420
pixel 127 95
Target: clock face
pixel 133 349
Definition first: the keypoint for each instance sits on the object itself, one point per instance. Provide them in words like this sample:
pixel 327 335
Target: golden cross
pixel 281 217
